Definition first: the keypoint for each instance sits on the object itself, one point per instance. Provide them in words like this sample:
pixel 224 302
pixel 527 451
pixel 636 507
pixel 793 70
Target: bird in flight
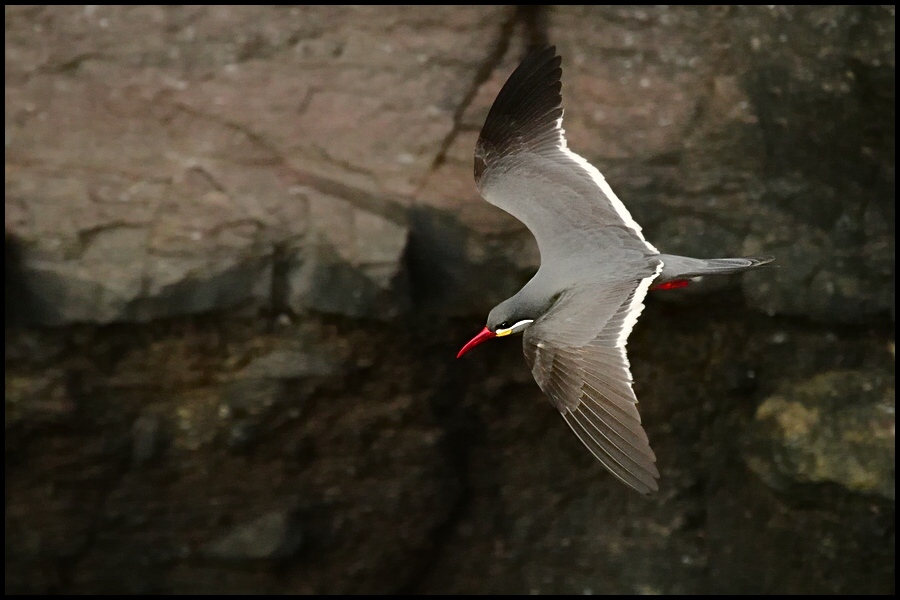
pixel 578 310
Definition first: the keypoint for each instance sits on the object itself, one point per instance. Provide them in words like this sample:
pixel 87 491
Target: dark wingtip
pixel 526 111
pixel 531 90
pixel 759 261
pixel 545 50
pixel 650 491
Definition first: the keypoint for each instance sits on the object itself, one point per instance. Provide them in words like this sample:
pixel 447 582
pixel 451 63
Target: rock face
pixel 240 242
pixel 836 427
pixel 194 150
pixel 273 536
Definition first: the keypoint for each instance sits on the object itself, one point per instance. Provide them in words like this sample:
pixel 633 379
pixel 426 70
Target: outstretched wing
pixel 577 356
pixel 523 164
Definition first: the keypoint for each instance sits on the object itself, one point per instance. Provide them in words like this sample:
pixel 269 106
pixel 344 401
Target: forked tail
pixel 678 271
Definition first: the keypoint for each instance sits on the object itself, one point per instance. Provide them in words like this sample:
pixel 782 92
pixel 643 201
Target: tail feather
pixel 684 268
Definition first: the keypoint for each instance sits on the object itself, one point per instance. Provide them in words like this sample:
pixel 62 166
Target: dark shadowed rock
pixel 836 427
pixel 250 395
pixel 315 361
pixel 242 436
pixel 273 536
pixel 286 374
pixel 39 398
pixel 145 443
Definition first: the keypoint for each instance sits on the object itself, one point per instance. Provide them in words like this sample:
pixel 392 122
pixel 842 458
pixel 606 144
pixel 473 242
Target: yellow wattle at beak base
pixel 502 332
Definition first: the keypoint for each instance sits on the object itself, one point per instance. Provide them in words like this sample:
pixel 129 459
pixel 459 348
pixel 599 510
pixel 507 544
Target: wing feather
pixel 522 156
pixel 601 453
pixel 590 382
pixel 576 350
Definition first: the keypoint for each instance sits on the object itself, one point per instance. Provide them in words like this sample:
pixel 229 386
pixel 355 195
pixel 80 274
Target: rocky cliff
pixel 244 244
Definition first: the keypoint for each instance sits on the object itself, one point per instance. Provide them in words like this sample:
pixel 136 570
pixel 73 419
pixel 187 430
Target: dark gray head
pixel 516 314
pixel 510 316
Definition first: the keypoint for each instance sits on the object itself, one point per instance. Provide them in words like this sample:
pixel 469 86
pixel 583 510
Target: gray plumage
pixel 596 268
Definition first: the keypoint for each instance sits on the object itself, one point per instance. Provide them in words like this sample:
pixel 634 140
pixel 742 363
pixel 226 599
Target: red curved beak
pixel 485 334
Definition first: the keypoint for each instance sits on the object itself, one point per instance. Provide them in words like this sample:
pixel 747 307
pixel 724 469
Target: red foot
pixel 672 285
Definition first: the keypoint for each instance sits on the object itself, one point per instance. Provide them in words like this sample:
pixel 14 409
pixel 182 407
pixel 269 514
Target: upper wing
pixel 577 356
pixel 523 165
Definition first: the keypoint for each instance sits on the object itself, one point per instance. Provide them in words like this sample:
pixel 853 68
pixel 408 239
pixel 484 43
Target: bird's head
pixel 503 320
